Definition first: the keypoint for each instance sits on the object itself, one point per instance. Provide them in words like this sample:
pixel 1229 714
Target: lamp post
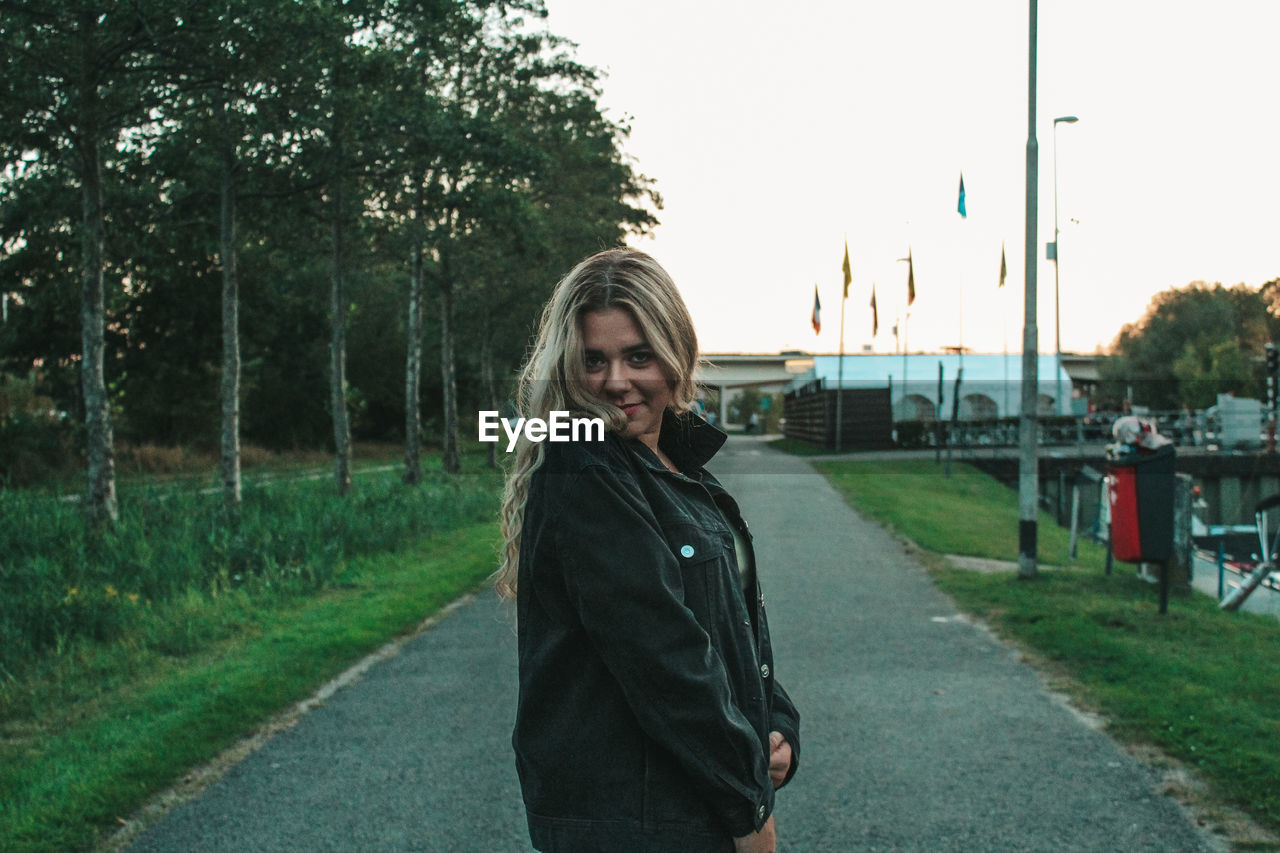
pixel 1028 462
pixel 1057 324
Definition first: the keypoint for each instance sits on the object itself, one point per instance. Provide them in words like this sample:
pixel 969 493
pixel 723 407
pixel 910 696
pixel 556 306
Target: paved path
pixel 921 733
pixel 1204 577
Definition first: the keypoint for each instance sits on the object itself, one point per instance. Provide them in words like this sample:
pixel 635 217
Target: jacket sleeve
pixel 786 721
pixel 627 589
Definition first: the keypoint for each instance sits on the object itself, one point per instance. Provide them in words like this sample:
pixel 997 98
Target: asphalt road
pixel 920 732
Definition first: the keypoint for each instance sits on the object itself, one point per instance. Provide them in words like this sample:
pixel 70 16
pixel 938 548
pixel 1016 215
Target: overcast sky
pixel 776 131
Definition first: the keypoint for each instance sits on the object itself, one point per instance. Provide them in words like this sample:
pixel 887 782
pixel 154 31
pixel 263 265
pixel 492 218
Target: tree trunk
pixel 101 494
pixel 338 353
pixel 486 376
pixel 413 371
pixel 229 467
pixel 449 374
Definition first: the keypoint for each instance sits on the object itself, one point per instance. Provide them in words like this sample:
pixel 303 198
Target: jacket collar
pixel 686 439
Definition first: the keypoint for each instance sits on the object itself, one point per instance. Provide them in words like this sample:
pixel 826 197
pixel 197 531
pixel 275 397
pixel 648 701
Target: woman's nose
pixel 616 378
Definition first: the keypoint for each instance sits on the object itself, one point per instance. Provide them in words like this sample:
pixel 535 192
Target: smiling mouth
pixel 629 408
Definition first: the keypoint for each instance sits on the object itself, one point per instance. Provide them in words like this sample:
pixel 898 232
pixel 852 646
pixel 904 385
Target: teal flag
pixel 960 206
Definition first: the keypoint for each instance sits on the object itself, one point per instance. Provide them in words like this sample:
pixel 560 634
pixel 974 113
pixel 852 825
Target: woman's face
pixel 623 371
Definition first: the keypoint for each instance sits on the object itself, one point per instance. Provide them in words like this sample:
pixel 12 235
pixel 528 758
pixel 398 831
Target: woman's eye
pixel 593 362
pixel 641 357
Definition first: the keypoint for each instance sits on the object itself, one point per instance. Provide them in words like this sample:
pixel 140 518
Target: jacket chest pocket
pixel 706 560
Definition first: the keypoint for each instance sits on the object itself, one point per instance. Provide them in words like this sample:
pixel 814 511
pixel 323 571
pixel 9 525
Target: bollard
pixel 1075 522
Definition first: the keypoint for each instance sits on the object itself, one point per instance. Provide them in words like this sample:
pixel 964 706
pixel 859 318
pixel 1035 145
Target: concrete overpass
pixel 991 384
pixel 730 373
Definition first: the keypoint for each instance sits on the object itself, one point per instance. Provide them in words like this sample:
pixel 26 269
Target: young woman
pixel 649 720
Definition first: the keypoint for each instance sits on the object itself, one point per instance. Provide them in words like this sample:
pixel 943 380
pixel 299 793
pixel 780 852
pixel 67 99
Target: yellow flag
pixel 911 279
pixel 848 270
pixel 875 314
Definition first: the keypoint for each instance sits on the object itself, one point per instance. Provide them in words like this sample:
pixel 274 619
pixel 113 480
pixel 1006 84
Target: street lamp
pixel 1057 324
pixel 1028 463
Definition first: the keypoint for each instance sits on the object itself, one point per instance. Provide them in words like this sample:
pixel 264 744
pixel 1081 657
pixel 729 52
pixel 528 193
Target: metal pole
pixel 939 434
pixel 840 381
pixel 1057 323
pixel 1271 406
pixel 1028 473
pixel 1057 312
pixel 1164 587
pixel 906 320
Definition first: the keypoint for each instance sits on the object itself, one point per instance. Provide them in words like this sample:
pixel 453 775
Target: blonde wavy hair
pixel 554 375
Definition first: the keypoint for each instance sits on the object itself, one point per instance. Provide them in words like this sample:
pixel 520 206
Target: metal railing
pixel 1185 429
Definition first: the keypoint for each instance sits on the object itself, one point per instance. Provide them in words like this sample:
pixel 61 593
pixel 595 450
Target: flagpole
pixel 906 318
pixel 964 214
pixel 1004 324
pixel 840 379
pixel 847 270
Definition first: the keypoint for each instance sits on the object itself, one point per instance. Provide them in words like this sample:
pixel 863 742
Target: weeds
pixel 60 585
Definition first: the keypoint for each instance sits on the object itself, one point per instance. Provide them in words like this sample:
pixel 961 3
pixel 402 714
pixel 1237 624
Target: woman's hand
pixel 764 841
pixel 779 758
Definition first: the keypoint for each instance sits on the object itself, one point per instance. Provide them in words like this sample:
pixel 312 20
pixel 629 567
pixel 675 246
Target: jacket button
pixel 686 551
pixel 762 812
pixel 764 670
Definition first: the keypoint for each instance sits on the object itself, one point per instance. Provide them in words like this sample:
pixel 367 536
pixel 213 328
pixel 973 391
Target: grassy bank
pixel 1200 685
pixel 129 656
pixel 61 585
pixel 798 448
pixel 143 717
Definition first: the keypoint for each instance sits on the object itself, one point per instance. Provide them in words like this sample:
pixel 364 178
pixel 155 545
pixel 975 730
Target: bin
pixel 1140 494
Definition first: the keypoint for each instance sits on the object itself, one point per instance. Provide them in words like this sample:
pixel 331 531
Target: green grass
pixel 61 584
pixel 127 656
pixel 969 513
pixel 1200 685
pixel 144 717
pixel 796 447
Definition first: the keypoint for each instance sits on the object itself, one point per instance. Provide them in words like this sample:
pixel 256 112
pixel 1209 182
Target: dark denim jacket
pixel 647 690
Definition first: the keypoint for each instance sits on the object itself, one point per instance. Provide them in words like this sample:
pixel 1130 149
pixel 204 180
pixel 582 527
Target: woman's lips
pixel 629 408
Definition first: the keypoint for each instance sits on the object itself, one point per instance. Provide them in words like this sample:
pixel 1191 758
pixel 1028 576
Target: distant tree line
pixel 1192 344
pixel 292 221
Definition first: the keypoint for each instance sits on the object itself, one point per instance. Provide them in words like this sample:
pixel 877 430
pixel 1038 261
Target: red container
pixel 1140 493
pixel 1122 494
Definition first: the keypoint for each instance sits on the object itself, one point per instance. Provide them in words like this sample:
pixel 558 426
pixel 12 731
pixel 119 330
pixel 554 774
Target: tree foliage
pixel 461 134
pixel 1194 343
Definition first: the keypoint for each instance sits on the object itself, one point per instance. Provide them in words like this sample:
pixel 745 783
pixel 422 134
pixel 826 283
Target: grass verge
pixel 1200 685
pixel 71 773
pixel 796 447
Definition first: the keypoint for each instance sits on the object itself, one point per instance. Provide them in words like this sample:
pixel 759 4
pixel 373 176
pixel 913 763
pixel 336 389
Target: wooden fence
pixel 867 417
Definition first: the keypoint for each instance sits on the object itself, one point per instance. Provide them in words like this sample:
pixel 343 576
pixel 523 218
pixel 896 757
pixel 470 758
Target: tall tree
pixel 413 354
pixel 1191 344
pixel 349 85
pixel 514 109
pixel 439 145
pixel 77 76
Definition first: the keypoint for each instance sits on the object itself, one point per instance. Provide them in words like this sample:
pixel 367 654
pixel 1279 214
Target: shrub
pixel 35 439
